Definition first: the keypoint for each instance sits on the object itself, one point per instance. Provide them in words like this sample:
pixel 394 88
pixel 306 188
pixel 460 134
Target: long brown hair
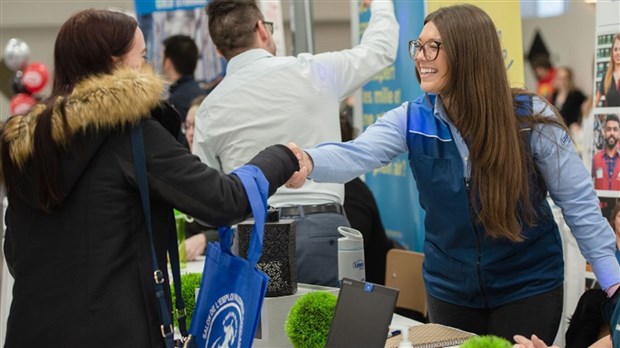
pixel 481 104
pixel 87 45
pixel 232 25
pixel 612 65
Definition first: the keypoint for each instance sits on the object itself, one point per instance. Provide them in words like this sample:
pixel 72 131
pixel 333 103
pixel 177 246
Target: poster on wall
pixel 605 152
pixel 607 74
pixel 161 19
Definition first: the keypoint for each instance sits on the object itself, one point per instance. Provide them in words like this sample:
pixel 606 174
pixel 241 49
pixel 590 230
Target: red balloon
pixel 21 103
pixel 34 77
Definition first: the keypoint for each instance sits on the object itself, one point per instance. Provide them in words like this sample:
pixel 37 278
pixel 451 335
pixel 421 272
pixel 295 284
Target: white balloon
pixel 16 54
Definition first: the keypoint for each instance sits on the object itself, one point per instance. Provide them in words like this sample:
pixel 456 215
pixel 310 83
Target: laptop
pixel 363 315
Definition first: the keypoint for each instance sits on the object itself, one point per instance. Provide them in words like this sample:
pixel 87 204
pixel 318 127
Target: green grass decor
pixel 189 283
pixel 488 341
pixel 310 318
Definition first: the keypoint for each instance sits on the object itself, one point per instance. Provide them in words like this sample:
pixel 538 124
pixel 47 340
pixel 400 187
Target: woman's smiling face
pixel 433 73
pixel 615 51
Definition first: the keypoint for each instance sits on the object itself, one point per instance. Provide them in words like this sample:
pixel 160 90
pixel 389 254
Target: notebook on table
pixel 362 316
pixel 431 336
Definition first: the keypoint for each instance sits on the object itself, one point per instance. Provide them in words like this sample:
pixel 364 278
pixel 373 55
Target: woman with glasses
pixel 484 157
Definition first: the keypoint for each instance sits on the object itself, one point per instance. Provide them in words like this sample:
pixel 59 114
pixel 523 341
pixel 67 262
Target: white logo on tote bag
pixel 224 324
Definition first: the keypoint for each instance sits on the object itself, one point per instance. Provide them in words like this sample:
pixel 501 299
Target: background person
pixel 610 84
pixel 569 100
pixel 190 120
pixel 545 74
pixel 614 221
pixel 535 342
pixel 180 59
pixel 587 322
pixel 76 242
pixel 264 98
pixel 197 235
pixel 493 253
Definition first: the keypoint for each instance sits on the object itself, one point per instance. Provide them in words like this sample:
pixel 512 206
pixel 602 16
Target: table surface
pixel 398 321
pixel 195 266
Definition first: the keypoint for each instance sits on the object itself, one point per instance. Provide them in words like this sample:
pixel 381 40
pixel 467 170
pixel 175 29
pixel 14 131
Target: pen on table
pixel 393 333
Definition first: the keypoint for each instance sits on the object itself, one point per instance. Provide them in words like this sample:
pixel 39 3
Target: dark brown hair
pixel 541 61
pixel 347 131
pixel 232 24
pixel 86 45
pixel 481 104
pixel 183 53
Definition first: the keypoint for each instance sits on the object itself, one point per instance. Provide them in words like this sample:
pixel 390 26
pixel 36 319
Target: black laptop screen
pixel 363 315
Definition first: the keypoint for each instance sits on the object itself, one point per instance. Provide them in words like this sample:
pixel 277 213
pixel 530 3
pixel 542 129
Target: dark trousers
pixel 317 247
pixel 539 315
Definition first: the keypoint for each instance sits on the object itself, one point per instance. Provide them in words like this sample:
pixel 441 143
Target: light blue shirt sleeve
pixel 571 188
pixel 567 179
pixel 375 147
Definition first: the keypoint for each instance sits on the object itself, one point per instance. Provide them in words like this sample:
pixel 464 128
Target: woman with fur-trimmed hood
pixel 76 241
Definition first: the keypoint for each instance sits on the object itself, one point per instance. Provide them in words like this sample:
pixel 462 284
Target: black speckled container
pixel 278 260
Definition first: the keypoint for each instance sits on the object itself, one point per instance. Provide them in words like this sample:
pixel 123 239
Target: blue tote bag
pixel 232 288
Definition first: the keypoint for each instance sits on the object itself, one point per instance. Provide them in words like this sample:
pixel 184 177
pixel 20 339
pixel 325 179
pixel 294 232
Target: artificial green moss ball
pixel 488 341
pixel 189 283
pixel 310 318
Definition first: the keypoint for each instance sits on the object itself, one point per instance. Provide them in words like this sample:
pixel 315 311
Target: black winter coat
pixel 82 272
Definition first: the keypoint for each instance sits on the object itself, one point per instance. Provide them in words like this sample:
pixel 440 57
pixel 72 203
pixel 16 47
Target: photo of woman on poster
pixel 609 87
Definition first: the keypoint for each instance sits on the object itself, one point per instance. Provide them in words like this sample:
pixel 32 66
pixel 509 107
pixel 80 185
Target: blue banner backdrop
pixel 149 6
pixel 393 185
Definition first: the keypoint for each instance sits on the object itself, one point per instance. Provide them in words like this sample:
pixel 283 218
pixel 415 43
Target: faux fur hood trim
pixel 105 101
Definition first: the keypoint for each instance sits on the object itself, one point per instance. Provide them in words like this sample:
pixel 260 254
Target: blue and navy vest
pixel 462 265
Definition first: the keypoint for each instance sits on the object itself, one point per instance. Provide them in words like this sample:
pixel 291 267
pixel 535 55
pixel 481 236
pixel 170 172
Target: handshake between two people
pixel 298 178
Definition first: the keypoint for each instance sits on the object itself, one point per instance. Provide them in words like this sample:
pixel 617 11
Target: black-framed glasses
pixel 430 49
pixel 269 26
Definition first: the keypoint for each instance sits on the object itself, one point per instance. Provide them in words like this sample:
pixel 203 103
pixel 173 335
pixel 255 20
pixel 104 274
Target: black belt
pixel 300 210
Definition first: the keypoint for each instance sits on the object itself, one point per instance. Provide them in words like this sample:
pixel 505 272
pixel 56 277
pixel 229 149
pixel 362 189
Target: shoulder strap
pixel 167 330
pixel 173 254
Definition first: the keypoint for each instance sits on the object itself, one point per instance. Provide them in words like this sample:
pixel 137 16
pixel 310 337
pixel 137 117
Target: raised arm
pixel 349 69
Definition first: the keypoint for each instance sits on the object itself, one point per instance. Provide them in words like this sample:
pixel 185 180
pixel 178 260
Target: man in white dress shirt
pixel 265 100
